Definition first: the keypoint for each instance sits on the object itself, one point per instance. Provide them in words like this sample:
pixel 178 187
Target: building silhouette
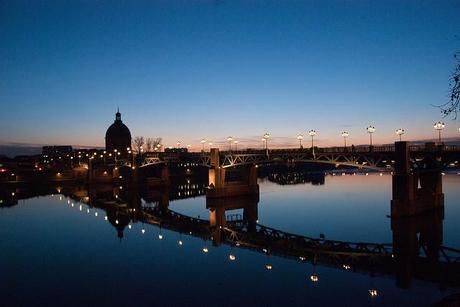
pixel 117 136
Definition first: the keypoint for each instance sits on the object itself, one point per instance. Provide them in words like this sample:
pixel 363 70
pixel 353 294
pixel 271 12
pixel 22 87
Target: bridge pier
pixel 219 187
pixel 409 236
pixel 408 199
pixel 217 213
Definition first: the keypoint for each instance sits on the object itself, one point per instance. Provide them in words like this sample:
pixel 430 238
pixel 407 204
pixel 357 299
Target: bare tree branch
pixel 453 105
pixel 138 143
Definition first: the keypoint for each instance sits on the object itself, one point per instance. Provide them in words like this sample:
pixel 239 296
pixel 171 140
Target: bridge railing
pixel 317 150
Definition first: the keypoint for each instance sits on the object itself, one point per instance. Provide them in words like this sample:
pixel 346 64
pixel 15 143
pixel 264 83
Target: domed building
pixel 117 136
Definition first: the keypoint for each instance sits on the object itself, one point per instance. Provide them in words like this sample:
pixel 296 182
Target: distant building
pixel 117 136
pixel 56 150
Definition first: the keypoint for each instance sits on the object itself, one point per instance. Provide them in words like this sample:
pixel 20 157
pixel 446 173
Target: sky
pixel 187 70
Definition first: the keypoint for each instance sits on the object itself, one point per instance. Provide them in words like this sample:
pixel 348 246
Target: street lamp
pixel 266 137
pixel 439 126
pixel 230 140
pixel 370 130
pixel 400 132
pixel 236 145
pixel 210 144
pixel 202 144
pixel 300 138
pixel 345 134
pixel 178 144
pixel 312 133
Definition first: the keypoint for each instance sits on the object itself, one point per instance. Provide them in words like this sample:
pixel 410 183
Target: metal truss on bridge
pixel 376 158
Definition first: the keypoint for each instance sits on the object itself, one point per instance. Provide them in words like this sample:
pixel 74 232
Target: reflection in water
pixel 297 178
pixel 416 251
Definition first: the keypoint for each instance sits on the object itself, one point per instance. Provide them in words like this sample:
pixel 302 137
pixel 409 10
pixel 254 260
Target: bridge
pixel 381 158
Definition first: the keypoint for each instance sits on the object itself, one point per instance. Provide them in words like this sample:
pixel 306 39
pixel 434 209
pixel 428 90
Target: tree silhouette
pixel 453 105
pixel 138 143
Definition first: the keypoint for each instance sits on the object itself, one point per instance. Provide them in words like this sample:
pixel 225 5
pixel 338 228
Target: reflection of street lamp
pixel 230 140
pixel 300 138
pixel 373 292
pixel 202 144
pixel 439 126
pixel 370 130
pixel 400 132
pixel 345 134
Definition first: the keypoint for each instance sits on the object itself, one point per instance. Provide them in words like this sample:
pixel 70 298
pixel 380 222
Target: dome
pixel 118 135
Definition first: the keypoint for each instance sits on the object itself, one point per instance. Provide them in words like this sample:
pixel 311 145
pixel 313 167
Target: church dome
pixel 118 135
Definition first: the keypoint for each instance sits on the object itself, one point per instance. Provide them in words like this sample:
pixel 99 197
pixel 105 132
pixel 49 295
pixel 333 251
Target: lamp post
pixel 263 143
pixel 312 133
pixel 400 132
pixel 439 126
pixel 178 144
pixel 236 145
pixel 345 134
pixel 370 130
pixel 230 140
pixel 300 138
pixel 142 154
pixel 266 137
pixel 202 144
pixel 210 144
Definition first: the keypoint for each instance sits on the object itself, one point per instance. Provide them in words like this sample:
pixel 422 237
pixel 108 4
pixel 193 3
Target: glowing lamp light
pixel 160 237
pixel 268 267
pixel 346 267
pixel 180 242
pixel 399 132
pixel 232 257
pixel 314 278
pixel 205 250
pixel 129 226
pixel 373 292
pixel 143 230
pixel 439 126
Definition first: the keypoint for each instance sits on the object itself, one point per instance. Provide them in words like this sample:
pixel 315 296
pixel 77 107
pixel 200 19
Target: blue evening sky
pixel 183 70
